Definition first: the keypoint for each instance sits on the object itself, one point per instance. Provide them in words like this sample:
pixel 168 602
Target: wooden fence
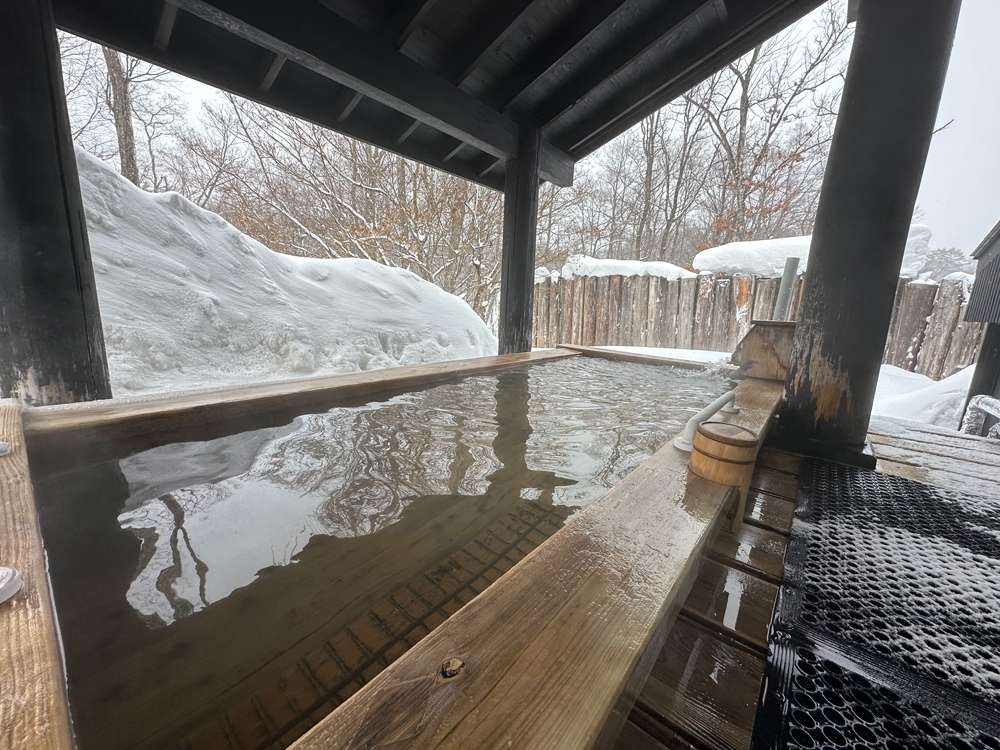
pixel 927 335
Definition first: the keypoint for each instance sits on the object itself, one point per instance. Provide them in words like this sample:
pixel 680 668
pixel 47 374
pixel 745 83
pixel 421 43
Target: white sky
pixel 960 192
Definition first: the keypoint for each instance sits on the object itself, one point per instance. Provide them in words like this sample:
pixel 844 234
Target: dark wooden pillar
pixel 520 219
pixel 51 341
pixel 894 82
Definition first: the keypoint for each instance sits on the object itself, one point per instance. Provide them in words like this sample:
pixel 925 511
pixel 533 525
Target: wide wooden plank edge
pixel 545 656
pixel 221 403
pixel 34 712
pixel 639 359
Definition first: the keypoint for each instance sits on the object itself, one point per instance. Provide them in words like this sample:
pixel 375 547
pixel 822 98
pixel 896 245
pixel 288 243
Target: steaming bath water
pixel 229 593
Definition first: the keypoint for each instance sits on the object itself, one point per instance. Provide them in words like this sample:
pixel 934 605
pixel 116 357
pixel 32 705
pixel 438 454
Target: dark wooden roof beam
pixel 325 43
pixel 666 30
pixel 272 73
pixel 494 163
pixel 750 23
pixel 346 112
pixel 166 26
pixel 562 42
pixel 408 132
pixel 454 152
pixel 486 37
pixel 199 50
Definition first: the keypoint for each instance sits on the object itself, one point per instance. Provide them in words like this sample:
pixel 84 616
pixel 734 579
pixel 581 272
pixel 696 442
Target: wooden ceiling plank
pixel 488 35
pixel 566 40
pixel 405 21
pixel 666 29
pixel 325 43
pixel 750 24
pixel 204 57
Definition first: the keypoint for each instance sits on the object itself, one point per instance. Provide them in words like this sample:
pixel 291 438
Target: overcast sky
pixel 960 192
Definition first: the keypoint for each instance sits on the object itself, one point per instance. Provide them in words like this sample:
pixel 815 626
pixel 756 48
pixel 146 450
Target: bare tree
pixel 111 97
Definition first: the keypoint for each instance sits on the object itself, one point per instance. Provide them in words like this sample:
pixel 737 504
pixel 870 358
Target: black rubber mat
pixel 887 628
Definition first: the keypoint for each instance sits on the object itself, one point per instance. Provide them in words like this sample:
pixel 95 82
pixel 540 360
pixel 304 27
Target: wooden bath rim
pixel 561 588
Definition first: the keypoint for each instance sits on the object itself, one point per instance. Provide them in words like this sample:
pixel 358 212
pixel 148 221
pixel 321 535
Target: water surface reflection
pixel 195 577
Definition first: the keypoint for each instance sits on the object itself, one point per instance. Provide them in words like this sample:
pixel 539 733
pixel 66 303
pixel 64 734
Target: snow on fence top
pixel 584 265
pixel 767 257
pixel 189 301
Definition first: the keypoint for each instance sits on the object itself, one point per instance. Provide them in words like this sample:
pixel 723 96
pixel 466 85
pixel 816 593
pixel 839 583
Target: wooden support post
pixel 51 341
pixel 894 82
pixel 520 216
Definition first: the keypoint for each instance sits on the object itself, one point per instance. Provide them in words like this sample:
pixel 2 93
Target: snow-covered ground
pixel 188 301
pixel 767 257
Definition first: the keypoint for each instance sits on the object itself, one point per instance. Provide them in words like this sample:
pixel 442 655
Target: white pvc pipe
pixel 726 402
pixel 784 303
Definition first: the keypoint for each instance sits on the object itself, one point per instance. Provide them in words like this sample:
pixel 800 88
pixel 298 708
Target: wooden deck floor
pixel 703 690
pixel 934 455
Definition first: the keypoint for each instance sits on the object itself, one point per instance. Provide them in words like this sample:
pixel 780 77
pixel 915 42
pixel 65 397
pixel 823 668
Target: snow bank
pixel 584 265
pixel 189 301
pixel 767 257
pixel 908 395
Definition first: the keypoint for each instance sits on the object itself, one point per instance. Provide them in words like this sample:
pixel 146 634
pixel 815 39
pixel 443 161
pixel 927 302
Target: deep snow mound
pixel 189 301
pixel 767 257
pixel 917 398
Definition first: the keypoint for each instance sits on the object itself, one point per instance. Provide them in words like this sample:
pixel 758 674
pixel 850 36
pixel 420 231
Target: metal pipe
pixel 726 402
pixel 975 415
pixel 784 302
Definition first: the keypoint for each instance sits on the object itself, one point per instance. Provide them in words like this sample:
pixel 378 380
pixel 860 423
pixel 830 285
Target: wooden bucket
pixel 725 453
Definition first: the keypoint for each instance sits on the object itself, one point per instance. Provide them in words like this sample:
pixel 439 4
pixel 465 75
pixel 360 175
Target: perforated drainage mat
pixel 887 627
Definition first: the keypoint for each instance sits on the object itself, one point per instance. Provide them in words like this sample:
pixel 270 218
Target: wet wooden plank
pixel 770 512
pixel 936 460
pixel 965 482
pixel 732 601
pixel 33 709
pixel 552 680
pixel 775 483
pixel 755 550
pixel 970 454
pixel 639 359
pixel 634 738
pixel 705 688
pixel 129 417
pixel 939 437
pixel 769 458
